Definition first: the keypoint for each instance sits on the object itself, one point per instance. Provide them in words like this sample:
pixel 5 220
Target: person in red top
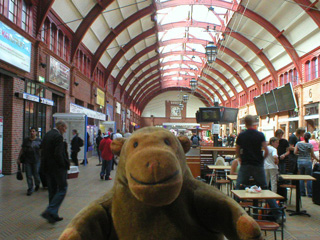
pixel 106 156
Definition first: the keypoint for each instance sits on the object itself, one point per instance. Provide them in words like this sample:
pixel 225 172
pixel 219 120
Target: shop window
pixel 312 109
pixel 34 116
pixel 35 89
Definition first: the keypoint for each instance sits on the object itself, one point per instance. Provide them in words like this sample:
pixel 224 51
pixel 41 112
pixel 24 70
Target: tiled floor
pixel 20 214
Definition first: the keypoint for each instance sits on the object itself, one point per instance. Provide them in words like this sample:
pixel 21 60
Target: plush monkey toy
pixel 156 197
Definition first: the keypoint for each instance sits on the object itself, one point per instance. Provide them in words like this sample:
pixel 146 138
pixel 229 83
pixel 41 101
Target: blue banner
pixel 14 48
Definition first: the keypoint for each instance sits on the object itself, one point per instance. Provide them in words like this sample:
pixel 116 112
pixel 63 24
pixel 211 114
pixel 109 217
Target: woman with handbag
pixel 30 157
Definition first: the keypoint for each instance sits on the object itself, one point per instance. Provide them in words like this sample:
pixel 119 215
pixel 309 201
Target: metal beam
pixel 115 32
pixel 86 24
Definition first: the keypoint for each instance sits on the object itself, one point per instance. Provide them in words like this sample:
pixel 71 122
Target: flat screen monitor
pixel 229 115
pixel 285 98
pixel 271 102
pixel 211 114
pixel 261 106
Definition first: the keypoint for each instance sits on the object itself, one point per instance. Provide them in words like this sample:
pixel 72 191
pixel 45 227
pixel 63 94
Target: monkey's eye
pixel 167 142
pixel 135 144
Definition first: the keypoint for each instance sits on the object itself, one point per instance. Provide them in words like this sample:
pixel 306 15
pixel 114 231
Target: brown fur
pixel 155 197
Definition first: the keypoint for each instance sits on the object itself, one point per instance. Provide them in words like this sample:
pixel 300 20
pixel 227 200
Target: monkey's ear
pixel 116 145
pixel 185 142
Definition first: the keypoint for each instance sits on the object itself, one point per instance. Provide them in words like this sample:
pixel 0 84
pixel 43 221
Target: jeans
pixel 282 166
pixel 74 158
pixel 57 187
pixel 106 168
pixel 32 170
pixel 305 168
pixel 99 155
pixel 259 176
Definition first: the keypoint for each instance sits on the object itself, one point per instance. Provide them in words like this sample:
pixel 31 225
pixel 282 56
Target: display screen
pixel 229 115
pixel 285 98
pixel 271 102
pixel 261 106
pixel 209 114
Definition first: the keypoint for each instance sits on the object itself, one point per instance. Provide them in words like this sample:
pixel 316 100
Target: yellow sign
pixel 100 97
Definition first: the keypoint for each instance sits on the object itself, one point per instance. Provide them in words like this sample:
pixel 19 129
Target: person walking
pixel 305 153
pixel 30 157
pixel 75 147
pixel 55 164
pixel 98 140
pixel 249 147
pixel 107 156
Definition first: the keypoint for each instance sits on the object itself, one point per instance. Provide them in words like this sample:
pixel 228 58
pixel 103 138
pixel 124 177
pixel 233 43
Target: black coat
pixel 75 144
pixel 53 155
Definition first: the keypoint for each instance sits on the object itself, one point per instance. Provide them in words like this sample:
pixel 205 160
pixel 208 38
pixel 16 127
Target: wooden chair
pixel 291 186
pixel 264 219
pixel 221 175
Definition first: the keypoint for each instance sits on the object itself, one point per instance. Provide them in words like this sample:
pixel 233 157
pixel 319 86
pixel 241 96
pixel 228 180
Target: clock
pixel 175 111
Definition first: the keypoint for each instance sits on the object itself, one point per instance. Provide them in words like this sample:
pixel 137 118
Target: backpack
pixel 80 142
pixel 195 141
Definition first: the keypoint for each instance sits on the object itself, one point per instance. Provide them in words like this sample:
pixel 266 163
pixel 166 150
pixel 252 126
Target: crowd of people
pixel 46 161
pixel 264 162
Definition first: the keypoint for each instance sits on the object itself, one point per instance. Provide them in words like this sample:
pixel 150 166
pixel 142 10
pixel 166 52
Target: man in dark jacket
pixel 55 164
pixel 75 147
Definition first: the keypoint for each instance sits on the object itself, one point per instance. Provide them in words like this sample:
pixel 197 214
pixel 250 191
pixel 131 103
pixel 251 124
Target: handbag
pixel 19 174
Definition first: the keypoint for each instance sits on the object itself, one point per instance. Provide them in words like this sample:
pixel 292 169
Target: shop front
pixel 92 130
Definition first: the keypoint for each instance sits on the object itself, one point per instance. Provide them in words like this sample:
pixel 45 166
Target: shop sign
pixel 14 48
pixel 90 113
pixel 100 97
pixel 59 74
pixel 215 128
pixel 47 101
pixel 31 97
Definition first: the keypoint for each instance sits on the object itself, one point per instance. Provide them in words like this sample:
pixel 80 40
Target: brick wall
pixel 13 123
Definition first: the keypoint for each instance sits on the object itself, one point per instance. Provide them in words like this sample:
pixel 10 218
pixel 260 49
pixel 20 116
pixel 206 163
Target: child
pixel 271 163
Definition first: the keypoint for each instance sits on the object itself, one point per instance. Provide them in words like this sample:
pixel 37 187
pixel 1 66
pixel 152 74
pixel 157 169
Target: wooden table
pixel 264 194
pixel 219 150
pixel 296 179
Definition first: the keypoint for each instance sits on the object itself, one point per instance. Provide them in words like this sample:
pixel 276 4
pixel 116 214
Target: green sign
pixel 42 79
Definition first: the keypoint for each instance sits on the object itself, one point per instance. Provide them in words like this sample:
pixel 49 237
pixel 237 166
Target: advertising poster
pixel 100 97
pixel 109 112
pixel 59 74
pixel 14 48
